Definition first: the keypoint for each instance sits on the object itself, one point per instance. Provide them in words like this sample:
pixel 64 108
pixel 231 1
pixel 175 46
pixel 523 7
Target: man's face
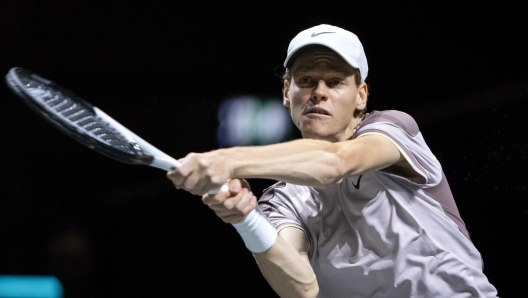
pixel 323 97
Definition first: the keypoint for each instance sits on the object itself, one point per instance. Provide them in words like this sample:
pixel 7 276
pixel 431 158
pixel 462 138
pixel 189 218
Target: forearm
pixel 312 162
pixel 302 162
pixel 288 272
pixel 282 257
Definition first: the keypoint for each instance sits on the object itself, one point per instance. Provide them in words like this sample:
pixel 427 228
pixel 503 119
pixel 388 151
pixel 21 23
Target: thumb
pixel 235 186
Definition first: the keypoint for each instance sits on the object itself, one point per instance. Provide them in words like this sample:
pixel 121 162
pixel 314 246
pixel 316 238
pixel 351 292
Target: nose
pixel 320 92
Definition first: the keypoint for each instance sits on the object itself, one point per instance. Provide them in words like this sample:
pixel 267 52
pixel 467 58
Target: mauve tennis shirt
pixel 380 234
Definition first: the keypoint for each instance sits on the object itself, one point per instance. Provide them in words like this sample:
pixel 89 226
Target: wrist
pixel 230 157
pixel 257 232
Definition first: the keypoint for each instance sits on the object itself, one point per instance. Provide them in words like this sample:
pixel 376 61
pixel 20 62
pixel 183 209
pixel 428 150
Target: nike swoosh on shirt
pixel 359 180
pixel 315 34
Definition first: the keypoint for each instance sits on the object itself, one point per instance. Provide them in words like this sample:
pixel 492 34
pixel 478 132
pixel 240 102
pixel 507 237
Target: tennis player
pixel 362 209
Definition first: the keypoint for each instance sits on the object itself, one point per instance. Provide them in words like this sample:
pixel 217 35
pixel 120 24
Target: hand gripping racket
pixel 86 123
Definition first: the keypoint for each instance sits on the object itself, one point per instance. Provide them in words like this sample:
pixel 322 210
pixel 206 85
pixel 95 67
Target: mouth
pixel 317 111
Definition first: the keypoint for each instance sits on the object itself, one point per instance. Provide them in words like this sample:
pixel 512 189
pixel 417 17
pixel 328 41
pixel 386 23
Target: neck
pixel 352 128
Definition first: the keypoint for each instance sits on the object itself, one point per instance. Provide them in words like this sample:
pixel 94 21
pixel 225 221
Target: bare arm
pixel 286 266
pixel 313 162
pixel 303 162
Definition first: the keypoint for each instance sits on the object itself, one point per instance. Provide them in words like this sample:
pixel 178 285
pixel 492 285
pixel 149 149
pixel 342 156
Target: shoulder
pixel 390 117
pixel 283 191
pixel 269 193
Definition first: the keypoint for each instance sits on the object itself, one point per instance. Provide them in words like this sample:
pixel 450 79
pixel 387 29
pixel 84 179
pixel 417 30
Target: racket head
pixel 74 116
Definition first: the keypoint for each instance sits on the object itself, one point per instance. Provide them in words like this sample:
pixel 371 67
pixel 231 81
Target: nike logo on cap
pixel 315 34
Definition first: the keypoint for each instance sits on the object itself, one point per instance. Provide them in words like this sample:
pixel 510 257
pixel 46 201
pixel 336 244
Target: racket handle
pixel 169 164
pixel 222 188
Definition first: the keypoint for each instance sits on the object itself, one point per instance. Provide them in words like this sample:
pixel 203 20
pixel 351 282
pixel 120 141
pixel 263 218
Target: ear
pixel 362 97
pixel 285 94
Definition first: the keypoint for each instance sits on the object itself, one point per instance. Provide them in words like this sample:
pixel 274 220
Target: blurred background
pixel 174 73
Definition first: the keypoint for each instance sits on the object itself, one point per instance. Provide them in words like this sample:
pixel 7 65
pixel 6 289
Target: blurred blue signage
pixel 18 286
pixel 250 120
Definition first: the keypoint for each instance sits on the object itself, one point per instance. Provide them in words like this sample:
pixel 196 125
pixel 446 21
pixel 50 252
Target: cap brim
pixel 299 50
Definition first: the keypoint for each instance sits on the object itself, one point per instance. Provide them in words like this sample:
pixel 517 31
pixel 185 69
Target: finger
pixel 247 204
pixel 243 210
pixel 229 203
pixel 220 197
pixel 245 184
pixel 235 186
pixel 250 206
pixel 186 164
pixel 196 183
pixel 233 202
pixel 206 185
pixel 239 212
pixel 189 183
pixel 176 178
pixel 236 205
pixel 225 212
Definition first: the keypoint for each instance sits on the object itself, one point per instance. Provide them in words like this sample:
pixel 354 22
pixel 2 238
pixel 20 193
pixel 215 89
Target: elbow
pixel 305 286
pixel 308 290
pixel 312 292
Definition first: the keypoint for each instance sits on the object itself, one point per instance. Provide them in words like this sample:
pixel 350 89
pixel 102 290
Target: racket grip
pixel 169 164
pixel 222 188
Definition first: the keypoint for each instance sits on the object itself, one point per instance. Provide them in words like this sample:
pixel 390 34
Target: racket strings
pixel 81 116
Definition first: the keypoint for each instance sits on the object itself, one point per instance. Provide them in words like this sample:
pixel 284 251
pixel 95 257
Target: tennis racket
pixel 86 123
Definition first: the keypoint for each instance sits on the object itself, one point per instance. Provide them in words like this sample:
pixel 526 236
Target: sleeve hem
pixel 416 167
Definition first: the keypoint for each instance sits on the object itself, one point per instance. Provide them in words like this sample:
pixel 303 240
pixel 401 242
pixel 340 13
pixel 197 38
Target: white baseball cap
pixel 343 42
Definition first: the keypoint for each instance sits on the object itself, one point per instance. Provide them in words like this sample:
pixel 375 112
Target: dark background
pixel 162 67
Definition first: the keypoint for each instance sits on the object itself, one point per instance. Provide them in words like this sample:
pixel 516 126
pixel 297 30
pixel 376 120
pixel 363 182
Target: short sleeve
pixel 277 205
pixel 403 131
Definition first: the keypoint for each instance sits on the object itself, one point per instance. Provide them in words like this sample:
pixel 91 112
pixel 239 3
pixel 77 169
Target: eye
pixel 335 82
pixel 304 81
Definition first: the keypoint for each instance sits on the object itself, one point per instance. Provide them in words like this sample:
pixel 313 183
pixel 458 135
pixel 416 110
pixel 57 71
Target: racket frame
pixel 151 156
pixel 160 159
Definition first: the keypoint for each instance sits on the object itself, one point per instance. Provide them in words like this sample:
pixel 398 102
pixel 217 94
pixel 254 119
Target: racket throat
pixel 168 165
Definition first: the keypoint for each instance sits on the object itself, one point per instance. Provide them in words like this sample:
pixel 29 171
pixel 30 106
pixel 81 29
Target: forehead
pixel 321 58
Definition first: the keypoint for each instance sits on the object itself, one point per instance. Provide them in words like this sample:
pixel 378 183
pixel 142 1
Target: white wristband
pixel 256 231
